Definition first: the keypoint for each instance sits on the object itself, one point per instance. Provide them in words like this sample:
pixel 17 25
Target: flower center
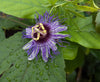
pixel 38 31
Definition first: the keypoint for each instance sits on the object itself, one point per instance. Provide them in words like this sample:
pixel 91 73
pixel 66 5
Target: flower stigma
pixel 38 30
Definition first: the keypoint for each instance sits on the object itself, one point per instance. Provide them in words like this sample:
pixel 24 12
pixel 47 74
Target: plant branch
pixel 79 75
pixel 14 21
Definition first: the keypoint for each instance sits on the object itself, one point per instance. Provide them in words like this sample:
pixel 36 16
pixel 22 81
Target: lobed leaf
pixel 8 46
pixel 82 31
pixel 86 39
pixel 2 35
pixel 14 65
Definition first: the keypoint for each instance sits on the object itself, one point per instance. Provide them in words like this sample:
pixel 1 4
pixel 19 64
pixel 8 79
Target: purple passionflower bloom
pixel 43 36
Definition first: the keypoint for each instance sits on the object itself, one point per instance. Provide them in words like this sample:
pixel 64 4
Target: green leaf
pixel 74 12
pixel 14 23
pixel 52 2
pixel 78 1
pixel 86 39
pixel 7 24
pixel 71 65
pixel 34 71
pixel 14 65
pixel 86 8
pixel 82 31
pixel 70 52
pixel 23 8
pixel 2 35
pixel 67 7
pixel 98 22
pixel 7 47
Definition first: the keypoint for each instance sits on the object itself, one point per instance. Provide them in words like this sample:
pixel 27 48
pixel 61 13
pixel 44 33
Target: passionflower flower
pixel 43 36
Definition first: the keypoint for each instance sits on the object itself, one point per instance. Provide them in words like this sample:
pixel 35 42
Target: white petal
pixel 59 35
pixel 54 25
pixel 34 53
pixel 52 45
pixel 59 29
pixel 28 31
pixel 45 54
pixel 28 45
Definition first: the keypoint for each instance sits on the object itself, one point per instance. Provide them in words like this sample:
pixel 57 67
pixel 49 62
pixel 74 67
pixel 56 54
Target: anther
pixel 37 29
pixel 42 26
pixel 37 38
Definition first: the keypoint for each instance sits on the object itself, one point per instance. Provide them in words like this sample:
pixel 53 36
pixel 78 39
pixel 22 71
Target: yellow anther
pixel 42 26
pixel 44 31
pixel 34 27
pixel 38 37
pixel 37 29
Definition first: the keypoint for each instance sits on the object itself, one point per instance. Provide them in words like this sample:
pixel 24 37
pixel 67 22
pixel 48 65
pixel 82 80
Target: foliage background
pixel 78 62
